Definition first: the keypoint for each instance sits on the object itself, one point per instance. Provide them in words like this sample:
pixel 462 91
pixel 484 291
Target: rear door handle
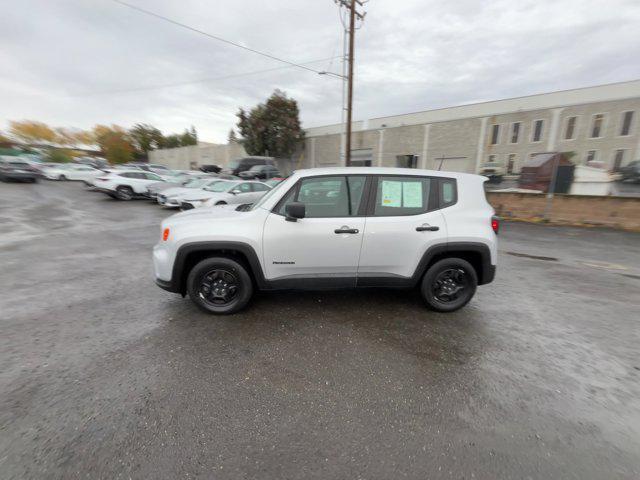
pixel 427 228
pixel 346 229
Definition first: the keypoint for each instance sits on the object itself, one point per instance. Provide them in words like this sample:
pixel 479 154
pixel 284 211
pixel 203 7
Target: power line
pixel 214 37
pixel 191 82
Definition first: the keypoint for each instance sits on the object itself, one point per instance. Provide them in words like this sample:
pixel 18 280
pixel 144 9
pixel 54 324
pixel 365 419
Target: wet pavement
pixel 104 375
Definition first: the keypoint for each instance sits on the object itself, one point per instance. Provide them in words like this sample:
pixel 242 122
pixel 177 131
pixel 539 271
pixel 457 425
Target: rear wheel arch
pixel 477 254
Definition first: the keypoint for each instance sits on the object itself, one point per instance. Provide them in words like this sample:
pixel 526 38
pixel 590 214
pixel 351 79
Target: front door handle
pixel 345 229
pixel 427 228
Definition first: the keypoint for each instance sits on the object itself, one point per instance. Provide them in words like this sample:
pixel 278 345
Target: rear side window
pixel 402 196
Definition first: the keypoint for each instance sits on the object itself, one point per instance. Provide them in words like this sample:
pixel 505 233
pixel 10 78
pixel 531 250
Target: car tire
pixel 124 193
pixel 221 203
pixel 219 285
pixel 34 180
pixel 449 284
pixel 62 178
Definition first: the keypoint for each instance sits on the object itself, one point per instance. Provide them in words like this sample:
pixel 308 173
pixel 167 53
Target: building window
pixel 627 119
pixel 511 162
pixel 537 130
pixel 618 158
pixel 407 161
pixel 495 134
pixel 591 156
pixel 596 125
pixel 515 132
pixel 569 133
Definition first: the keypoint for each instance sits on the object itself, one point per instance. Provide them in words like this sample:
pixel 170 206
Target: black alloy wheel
pixel 219 285
pixel 449 284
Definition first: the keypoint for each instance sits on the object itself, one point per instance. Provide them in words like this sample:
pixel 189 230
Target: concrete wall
pixel 185 158
pixel 615 212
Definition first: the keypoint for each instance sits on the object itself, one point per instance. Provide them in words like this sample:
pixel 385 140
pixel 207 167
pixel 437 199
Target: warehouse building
pixel 598 125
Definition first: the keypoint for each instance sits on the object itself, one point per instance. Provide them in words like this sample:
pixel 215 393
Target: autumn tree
pixel 271 128
pixel 146 137
pixel 114 143
pixel 30 131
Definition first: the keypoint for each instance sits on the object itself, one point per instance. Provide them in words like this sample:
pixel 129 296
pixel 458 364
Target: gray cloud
pixel 61 58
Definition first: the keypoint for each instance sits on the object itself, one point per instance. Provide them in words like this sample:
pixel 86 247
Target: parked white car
pixel 228 193
pixel 126 184
pixel 66 171
pixel 337 228
pixel 170 197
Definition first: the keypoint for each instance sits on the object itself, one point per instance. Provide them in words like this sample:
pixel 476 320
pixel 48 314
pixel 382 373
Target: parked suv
pixel 336 228
pixel 494 170
pixel 631 171
pixel 244 164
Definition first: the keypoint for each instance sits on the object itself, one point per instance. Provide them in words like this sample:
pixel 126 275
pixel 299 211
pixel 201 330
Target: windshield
pixel 234 164
pixel 268 195
pixel 221 186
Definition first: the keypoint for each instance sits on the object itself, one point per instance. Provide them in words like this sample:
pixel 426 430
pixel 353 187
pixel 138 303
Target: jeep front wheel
pixel 219 285
pixel 449 284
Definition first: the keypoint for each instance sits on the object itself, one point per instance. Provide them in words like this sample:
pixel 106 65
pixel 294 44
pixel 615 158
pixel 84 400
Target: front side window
pixel 537 130
pixel 402 196
pixel 324 197
pixel 244 187
pixel 153 176
pixel 259 187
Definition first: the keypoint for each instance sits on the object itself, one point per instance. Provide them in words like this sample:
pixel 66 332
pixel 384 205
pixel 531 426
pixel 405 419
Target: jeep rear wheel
pixel 449 284
pixel 124 193
pixel 219 285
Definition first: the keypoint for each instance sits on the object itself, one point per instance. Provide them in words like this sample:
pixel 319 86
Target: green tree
pixel 114 143
pixel 189 137
pixel 171 141
pixel 271 128
pixel 146 137
pixel 58 155
pixel 232 136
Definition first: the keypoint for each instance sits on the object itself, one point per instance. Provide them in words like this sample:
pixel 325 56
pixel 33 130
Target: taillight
pixel 165 234
pixel 495 224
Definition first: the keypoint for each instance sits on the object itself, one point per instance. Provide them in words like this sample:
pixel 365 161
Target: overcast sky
pixel 80 62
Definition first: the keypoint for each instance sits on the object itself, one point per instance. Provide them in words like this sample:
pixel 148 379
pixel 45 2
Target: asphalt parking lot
pixel 104 375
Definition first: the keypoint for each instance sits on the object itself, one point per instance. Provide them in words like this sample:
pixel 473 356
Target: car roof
pixel 312 172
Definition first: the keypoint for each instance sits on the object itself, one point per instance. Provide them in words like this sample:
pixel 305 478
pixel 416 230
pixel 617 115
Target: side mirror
pixel 294 211
pixel 235 192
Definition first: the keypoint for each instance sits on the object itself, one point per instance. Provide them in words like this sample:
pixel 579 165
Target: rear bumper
pixel 488 274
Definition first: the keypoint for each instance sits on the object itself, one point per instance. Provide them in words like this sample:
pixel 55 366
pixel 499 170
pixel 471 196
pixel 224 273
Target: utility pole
pixel 351 6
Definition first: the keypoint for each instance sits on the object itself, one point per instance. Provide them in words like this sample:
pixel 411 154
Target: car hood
pixel 203 214
pixel 204 195
pixel 178 191
pixel 162 186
